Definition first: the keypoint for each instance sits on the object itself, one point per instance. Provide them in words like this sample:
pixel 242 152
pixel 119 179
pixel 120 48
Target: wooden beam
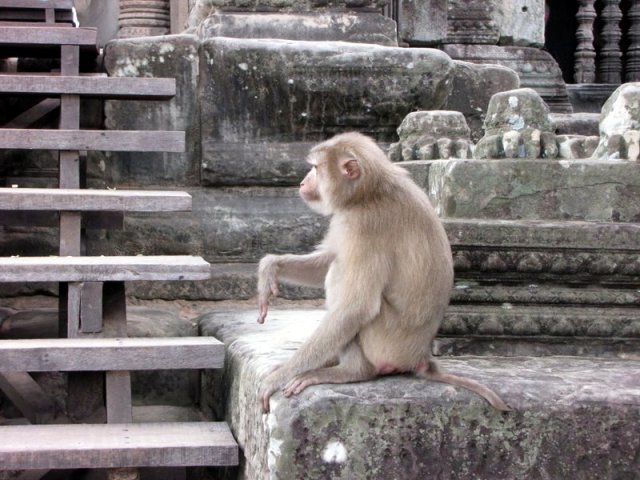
pixel 83 354
pixel 45 35
pixel 179 15
pixel 117 445
pixel 39 4
pixel 98 269
pixel 91 220
pixel 104 87
pixel 86 200
pixel 27 396
pixel 102 140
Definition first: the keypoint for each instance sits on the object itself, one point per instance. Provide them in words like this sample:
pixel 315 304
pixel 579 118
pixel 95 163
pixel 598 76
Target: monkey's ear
pixel 350 168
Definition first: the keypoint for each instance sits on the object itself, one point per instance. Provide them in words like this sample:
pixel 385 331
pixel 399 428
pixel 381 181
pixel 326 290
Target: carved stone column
pixel 610 61
pixel 585 68
pixel 141 18
pixel 632 72
pixel 471 22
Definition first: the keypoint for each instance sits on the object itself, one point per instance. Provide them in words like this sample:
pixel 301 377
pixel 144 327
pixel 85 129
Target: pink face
pixel 309 187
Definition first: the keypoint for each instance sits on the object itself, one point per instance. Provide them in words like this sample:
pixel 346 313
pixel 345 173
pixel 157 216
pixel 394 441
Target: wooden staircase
pixel 92 346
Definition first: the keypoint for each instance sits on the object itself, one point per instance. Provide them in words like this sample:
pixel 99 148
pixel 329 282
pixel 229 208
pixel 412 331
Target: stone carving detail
pixel 432 135
pixel 140 18
pixel 585 70
pixel 470 21
pixel 610 64
pixel 620 125
pixel 517 125
pixel 633 51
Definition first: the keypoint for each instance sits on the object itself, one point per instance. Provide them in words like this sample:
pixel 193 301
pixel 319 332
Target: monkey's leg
pixel 353 367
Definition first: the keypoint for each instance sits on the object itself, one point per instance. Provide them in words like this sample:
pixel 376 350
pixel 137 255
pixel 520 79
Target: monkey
pixel 387 270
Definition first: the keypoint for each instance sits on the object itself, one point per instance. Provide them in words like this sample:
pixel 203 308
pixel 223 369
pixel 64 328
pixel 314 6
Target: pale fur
pixel 387 271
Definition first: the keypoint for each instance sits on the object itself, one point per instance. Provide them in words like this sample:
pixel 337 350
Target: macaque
pixel 386 267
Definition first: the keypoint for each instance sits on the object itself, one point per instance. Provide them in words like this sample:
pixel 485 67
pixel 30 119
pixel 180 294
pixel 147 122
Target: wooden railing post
pixel 610 61
pixel 585 67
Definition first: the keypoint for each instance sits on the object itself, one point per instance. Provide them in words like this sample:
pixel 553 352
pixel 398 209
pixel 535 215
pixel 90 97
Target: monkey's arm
pixel 309 270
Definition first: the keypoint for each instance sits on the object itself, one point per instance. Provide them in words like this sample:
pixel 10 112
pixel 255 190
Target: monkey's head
pixel 347 169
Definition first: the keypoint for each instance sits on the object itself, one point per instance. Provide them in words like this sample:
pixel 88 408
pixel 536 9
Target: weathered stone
pixel 536 68
pixel 620 125
pixel 291 91
pixel 433 134
pixel 586 124
pixel 517 125
pixel 472 22
pixel 169 56
pixel 473 87
pixel 528 189
pixel 521 22
pixel 423 23
pixel 576 146
pixel 404 427
pixel 589 97
pixel 225 225
pixel 256 163
pixel 359 27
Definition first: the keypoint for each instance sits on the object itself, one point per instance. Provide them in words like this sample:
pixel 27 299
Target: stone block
pixel 473 87
pixel 584 412
pixel 358 27
pixel 173 56
pixel 291 5
pixel 536 68
pixel 601 191
pixel 620 125
pixel 224 226
pixel 586 124
pixel 291 91
pixel 521 22
pixel 423 22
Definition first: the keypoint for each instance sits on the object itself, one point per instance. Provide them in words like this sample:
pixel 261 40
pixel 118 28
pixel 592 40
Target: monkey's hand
pixel 267 284
pixel 270 385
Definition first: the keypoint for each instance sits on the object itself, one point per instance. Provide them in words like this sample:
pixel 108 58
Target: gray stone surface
pixel 573 416
pixel 473 86
pixel 517 125
pixel 620 125
pixel 576 123
pixel 536 68
pixel 602 191
pixel 290 91
pixel 174 56
pixel 434 134
pixel 423 23
pixel 576 146
pixel 358 27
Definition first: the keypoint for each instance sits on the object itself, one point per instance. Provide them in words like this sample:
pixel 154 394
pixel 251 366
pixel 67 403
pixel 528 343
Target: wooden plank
pixel 179 14
pixel 117 445
pixel 27 396
pixel 59 4
pixel 91 307
pixel 110 354
pixel 106 87
pixel 118 397
pixel 102 140
pixel 97 269
pixel 70 241
pixel 48 36
pixel 93 200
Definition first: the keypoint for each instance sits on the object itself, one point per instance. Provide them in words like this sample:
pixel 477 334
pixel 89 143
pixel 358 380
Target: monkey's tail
pixel 433 372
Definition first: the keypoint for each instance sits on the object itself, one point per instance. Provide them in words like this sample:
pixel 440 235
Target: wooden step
pixel 106 87
pixel 27 447
pixel 47 36
pixel 110 354
pixel 102 140
pixel 102 269
pixel 86 200
pixel 37 4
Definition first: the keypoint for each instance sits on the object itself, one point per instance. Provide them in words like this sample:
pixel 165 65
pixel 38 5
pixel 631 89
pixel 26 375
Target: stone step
pixel 102 269
pixel 27 447
pixel 574 417
pixel 92 140
pixel 89 86
pixel 110 354
pixel 67 199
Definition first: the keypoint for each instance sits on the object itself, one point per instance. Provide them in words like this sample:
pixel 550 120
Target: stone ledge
pixel 574 416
